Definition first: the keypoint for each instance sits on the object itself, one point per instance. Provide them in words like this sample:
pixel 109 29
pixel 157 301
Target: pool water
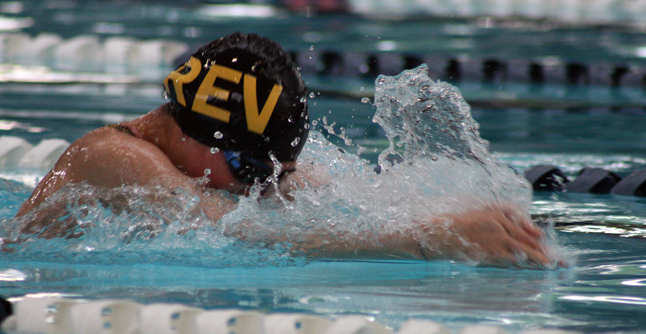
pixel 602 291
pixel 603 235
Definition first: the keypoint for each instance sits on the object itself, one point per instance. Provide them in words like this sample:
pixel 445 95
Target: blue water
pixel 571 127
pixel 603 234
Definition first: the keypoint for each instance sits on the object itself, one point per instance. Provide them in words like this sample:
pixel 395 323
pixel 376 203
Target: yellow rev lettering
pixel 179 79
pixel 207 89
pixel 256 122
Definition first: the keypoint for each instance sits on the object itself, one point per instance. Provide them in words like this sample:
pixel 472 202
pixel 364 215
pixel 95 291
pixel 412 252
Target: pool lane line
pixel 534 70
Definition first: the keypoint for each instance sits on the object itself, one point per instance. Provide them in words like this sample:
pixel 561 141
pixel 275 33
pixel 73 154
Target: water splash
pixel 430 124
pixel 88 224
pixel 444 166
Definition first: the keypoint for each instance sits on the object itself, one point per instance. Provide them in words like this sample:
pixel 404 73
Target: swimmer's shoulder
pixel 124 128
pixel 94 158
pixel 116 138
pixel 111 158
pixel 104 157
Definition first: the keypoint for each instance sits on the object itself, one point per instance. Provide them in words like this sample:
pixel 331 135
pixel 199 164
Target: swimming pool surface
pixel 526 124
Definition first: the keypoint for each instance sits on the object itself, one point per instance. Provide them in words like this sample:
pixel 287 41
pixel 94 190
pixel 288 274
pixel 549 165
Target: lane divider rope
pixel 76 316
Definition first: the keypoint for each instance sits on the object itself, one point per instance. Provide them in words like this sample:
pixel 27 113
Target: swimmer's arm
pixel 496 236
pixel 328 244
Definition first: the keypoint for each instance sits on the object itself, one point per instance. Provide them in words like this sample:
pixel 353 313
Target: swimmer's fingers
pixel 526 239
pixel 522 234
pixel 523 221
pixel 521 228
pixel 514 242
pixel 538 251
pixel 529 256
pixel 508 252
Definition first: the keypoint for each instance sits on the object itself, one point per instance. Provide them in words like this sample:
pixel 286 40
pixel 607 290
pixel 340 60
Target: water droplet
pixel 290 119
pixel 296 141
pixel 215 150
pixel 312 95
pixel 303 100
pixel 362 88
pixel 307 125
pixel 314 122
pixel 267 139
pixel 218 135
pixel 312 48
pixel 207 171
pixel 360 150
pixel 365 100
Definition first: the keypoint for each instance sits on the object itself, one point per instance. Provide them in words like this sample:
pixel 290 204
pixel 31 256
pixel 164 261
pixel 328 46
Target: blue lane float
pixel 546 178
pixel 594 181
pixel 589 180
pixel 632 185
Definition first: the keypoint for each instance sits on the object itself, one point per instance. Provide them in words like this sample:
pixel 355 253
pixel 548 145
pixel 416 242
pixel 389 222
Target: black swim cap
pixel 241 93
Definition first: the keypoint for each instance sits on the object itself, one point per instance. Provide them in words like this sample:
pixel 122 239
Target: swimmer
pixel 238 116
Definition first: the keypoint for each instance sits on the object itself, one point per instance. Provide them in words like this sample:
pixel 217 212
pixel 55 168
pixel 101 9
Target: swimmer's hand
pixel 497 236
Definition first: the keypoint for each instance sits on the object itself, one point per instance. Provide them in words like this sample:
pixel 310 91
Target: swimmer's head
pixel 241 93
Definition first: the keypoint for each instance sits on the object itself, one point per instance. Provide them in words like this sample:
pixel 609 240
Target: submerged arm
pixel 498 236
